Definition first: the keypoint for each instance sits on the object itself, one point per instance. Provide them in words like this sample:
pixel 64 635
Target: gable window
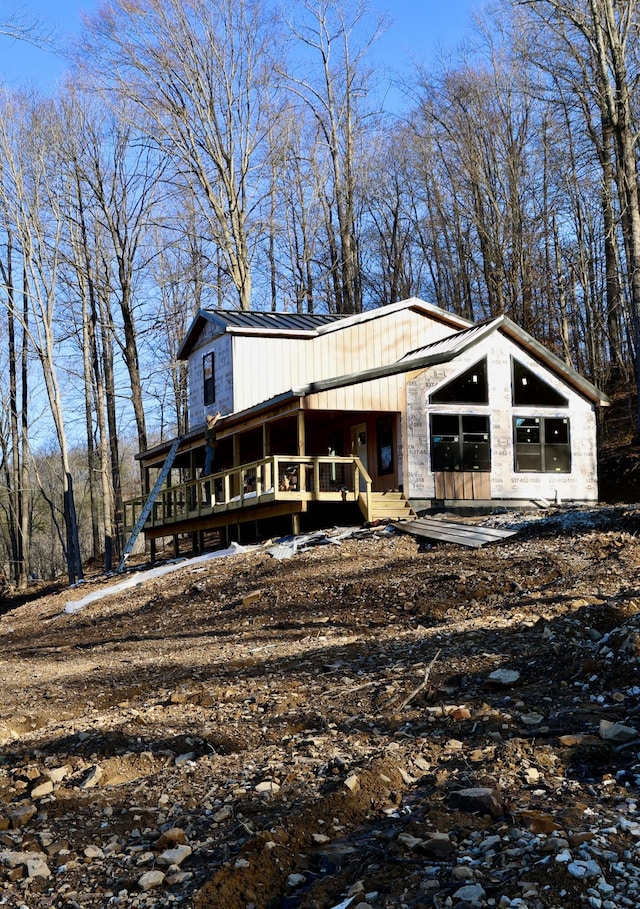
pixel 209 379
pixel 460 442
pixel 542 445
pixel 470 387
pixel 528 389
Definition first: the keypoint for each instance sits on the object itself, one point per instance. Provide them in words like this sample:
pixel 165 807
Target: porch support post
pixel 302 440
pixel 152 549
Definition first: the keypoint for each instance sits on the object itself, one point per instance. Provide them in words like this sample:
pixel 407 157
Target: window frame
pixel 546 449
pixel 474 375
pixel 462 439
pixel 209 378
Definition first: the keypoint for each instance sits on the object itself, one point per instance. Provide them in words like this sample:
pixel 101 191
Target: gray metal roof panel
pixel 452 344
pixel 270 321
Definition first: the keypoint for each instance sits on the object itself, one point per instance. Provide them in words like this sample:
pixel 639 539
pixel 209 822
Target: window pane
pixel 557 456
pixel 556 432
pixel 208 378
pixel 445 424
pixel 528 389
pixel 445 453
pixel 528 457
pixel 527 430
pixel 476 453
pixel 468 388
pixel 557 459
pixel 473 423
pixel 385 445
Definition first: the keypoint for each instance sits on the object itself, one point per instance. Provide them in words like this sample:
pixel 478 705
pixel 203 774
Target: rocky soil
pixel 373 722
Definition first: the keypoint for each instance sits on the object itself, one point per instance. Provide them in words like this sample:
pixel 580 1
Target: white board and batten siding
pixel 505 483
pixel 265 366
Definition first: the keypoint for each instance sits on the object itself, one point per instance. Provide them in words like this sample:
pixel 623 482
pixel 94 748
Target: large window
pixel 528 389
pixel 470 387
pixel 209 378
pixel 460 442
pixel 542 445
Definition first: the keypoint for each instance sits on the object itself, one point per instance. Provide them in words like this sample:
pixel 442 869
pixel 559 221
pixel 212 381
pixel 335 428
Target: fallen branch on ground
pixel 423 683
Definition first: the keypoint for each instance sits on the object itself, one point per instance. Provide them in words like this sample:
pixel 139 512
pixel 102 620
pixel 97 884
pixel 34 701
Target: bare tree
pixel 16 439
pixel 26 140
pixel 335 83
pixel 599 37
pixel 198 74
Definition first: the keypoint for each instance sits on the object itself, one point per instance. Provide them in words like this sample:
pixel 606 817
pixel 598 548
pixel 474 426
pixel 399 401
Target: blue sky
pixel 419 30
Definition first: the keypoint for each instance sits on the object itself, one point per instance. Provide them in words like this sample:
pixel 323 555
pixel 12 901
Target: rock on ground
pixel 384 723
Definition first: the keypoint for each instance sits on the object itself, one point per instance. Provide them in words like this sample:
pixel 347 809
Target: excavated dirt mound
pixel 377 721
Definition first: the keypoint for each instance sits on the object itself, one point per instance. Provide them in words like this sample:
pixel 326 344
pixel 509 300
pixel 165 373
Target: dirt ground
pixel 260 732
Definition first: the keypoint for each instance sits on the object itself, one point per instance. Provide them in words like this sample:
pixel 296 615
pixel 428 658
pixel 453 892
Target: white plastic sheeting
pixel 138 578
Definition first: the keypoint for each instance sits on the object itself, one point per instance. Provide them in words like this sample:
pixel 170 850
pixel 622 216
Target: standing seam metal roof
pixel 275 321
pixel 451 343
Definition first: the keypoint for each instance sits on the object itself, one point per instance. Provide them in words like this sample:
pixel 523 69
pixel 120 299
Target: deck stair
pixel 388 506
pixel 148 505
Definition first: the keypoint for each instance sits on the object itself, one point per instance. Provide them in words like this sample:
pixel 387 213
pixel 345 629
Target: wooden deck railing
pixel 280 478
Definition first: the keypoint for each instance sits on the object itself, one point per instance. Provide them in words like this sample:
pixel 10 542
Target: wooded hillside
pixel 220 154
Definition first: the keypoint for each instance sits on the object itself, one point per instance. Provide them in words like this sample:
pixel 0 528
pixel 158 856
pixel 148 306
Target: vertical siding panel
pixel 378 344
pixel 363 345
pixel 333 356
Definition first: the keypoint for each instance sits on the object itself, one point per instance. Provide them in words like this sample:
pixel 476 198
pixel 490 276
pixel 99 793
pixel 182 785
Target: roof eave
pixel 193 332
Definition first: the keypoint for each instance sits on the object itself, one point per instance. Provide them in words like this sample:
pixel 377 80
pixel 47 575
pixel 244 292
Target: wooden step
pixel 388 506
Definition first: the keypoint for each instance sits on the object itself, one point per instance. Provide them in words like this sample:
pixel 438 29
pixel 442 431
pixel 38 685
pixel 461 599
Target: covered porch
pixel 274 466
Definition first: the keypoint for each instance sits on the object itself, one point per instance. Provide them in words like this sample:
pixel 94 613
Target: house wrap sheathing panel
pixel 222 347
pixel 578 485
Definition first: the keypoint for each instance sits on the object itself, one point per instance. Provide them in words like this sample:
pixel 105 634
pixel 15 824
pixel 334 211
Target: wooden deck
pixel 271 487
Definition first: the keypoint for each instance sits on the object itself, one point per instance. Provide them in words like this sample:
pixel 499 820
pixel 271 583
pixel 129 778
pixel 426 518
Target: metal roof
pixel 270 321
pixel 451 345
